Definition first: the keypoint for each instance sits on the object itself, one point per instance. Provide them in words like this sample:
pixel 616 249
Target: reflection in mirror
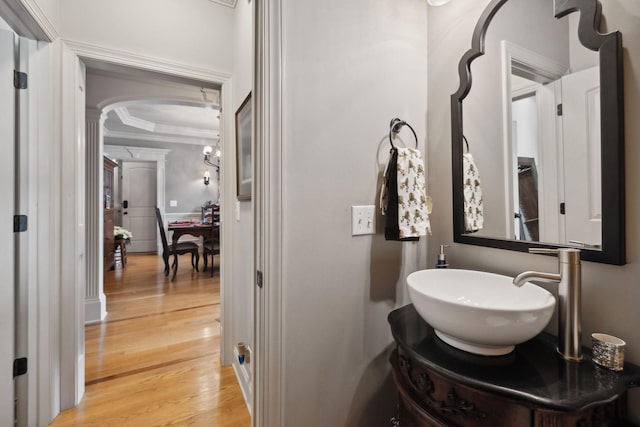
pixel 570 143
pixel 533 121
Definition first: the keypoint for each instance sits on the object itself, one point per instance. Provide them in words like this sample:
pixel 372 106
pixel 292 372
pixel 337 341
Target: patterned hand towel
pixel 473 204
pixel 413 217
pixel 403 196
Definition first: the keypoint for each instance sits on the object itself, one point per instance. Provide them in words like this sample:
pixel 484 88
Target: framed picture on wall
pixel 243 149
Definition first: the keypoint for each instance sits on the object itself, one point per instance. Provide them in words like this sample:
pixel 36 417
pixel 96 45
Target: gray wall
pixel 184 170
pixel 611 293
pixel 349 67
pixel 197 35
pixel 241 252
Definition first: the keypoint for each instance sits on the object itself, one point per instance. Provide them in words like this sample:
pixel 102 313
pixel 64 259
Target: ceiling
pixel 195 119
pixel 164 122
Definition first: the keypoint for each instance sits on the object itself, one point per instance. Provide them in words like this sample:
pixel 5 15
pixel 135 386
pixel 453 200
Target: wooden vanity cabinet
pixel 108 222
pixel 428 399
pixel 439 385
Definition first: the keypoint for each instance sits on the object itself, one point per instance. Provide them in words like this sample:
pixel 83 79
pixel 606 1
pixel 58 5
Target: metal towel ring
pixel 466 142
pixel 396 126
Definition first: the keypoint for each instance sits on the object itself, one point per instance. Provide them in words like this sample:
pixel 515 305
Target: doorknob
pixel 125 204
pixel 124 213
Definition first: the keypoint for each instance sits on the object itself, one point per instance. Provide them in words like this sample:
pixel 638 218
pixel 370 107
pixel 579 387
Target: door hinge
pixel 19 80
pixel 19 223
pixel 559 109
pixel 259 278
pixel 562 208
pixel 19 367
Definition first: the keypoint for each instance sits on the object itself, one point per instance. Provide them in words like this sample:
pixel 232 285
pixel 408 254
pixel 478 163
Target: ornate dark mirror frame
pixel 612 132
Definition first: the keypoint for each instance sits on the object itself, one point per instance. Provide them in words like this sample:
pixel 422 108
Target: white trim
pixel 228 3
pixel 42 279
pixel 133 136
pixel 72 227
pixel 45 87
pixel 149 63
pixel 243 373
pixel 22 241
pixel 28 20
pixel 227 224
pixel 73 50
pixel 178 135
pixel 41 18
pixel 95 309
pixel 122 111
pixel 127 119
pixel 158 155
pixel 268 395
pixel 8 309
pixel 118 152
pixel 534 66
pixel 95 300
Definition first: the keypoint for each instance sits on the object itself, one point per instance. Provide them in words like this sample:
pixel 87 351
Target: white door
pixel 581 135
pixel 139 181
pixel 7 189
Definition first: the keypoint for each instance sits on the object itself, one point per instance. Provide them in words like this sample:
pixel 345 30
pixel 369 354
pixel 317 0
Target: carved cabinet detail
pixel 439 385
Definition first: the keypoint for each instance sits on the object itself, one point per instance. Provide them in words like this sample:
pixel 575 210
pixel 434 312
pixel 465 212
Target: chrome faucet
pixel 568 279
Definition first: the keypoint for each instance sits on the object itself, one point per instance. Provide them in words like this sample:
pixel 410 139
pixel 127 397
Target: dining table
pixel 191 228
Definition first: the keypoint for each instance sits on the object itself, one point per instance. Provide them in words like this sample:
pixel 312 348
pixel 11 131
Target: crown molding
pixel 121 152
pixel 170 131
pixel 149 63
pixel 27 19
pixel 41 18
pixel 187 131
pixel 228 3
pixel 173 139
pixel 127 119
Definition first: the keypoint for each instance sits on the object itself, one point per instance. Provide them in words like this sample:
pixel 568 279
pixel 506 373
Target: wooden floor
pixel 155 360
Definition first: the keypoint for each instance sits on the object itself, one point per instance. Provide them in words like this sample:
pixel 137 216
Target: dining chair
pixel 211 247
pixel 181 248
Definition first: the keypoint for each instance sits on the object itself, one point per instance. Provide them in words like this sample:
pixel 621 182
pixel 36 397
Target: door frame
pixel 268 397
pixel 74 52
pixel 8 252
pixel 514 56
pixel 52 130
pixel 142 154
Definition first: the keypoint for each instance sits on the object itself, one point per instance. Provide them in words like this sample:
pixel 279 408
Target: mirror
pixel 537 140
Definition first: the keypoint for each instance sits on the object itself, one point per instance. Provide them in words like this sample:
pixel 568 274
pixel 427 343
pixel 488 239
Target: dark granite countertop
pixel 534 372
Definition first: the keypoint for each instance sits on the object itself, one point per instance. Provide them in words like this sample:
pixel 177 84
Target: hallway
pixel 155 361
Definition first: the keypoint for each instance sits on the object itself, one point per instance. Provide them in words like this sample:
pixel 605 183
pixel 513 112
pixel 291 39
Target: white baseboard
pixel 243 374
pixel 95 309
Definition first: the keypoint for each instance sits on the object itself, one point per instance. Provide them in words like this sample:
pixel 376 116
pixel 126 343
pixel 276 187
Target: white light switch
pixel 363 220
pixel 173 203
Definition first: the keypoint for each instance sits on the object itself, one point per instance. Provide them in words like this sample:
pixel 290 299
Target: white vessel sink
pixel 479 312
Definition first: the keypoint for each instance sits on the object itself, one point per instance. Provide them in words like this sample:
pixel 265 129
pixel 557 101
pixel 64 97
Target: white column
pixel 95 300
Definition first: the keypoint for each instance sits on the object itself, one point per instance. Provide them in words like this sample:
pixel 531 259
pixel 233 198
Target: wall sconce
pixel 209 154
pixel 210 160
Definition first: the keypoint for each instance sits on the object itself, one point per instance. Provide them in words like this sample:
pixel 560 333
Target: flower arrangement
pixel 121 233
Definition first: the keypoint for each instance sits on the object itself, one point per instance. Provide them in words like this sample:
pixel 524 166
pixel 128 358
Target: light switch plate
pixel 173 203
pixel 363 220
